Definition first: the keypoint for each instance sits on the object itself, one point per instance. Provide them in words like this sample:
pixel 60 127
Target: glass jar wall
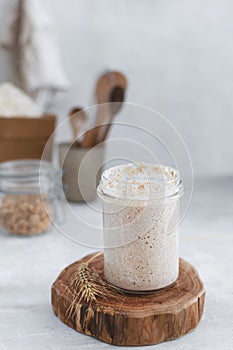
pixel 30 191
pixel 140 222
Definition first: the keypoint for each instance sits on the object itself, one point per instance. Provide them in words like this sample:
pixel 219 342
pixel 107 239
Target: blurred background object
pixel 30 197
pixel 82 169
pixel 78 119
pixel 25 138
pixel 177 55
pixel 14 102
pixel 24 128
pixel 109 96
pixel 28 36
pixel 83 156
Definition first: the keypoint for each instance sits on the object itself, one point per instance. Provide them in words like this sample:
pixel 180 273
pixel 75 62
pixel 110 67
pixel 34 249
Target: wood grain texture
pixel 133 319
pixel 26 138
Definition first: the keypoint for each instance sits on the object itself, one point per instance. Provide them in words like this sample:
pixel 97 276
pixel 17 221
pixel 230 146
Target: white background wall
pixel 178 56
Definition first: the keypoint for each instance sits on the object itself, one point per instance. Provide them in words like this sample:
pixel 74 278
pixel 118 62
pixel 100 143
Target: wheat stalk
pixel 88 285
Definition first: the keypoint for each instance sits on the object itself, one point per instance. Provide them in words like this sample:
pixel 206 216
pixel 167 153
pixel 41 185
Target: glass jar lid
pixel 28 176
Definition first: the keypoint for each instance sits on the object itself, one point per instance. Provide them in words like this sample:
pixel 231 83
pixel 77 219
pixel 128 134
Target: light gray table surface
pixel 28 266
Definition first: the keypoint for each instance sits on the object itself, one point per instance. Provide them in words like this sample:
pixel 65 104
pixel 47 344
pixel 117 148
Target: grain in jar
pixel 30 191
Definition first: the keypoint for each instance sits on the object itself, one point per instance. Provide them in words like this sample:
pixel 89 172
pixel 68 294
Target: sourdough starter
pixel 140 219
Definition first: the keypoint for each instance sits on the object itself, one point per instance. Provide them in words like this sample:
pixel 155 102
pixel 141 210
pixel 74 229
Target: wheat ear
pixel 87 285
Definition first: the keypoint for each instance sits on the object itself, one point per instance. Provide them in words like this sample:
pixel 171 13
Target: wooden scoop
pixel 106 83
pixel 78 119
pixel 105 86
pixel 117 98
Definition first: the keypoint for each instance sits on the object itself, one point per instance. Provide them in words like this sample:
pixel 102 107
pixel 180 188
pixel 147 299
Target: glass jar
pixel 30 196
pixel 140 224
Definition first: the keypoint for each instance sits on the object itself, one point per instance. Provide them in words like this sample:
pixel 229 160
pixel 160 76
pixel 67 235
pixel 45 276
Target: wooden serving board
pixel 133 319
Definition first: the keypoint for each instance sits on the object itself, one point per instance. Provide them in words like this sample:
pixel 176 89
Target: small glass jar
pixel 140 223
pixel 30 196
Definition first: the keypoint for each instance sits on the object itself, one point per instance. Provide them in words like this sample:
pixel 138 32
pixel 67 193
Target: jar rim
pixel 125 182
pixel 29 176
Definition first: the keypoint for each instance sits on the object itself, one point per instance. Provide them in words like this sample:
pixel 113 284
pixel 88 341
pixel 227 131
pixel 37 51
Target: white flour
pixel 15 103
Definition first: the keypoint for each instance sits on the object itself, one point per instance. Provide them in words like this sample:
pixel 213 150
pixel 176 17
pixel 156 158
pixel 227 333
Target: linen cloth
pixel 29 36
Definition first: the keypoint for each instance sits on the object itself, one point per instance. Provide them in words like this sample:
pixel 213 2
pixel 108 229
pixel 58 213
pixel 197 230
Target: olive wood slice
pixel 132 319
